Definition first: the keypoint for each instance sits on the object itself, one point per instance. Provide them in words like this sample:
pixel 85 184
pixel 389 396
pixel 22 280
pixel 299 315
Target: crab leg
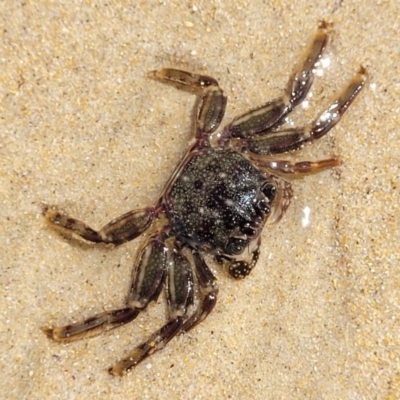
pixel 302 79
pixel 209 290
pixel 180 296
pixel 92 326
pixel 303 167
pixel 269 116
pixel 211 104
pixel 147 284
pixel 120 230
pixel 294 139
pixel 155 342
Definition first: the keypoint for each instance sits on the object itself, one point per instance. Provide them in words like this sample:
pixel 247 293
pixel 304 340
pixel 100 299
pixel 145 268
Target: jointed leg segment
pixel 257 131
pixel 180 296
pixel 208 289
pixel 302 79
pixel 93 326
pixel 122 229
pixel 302 167
pixel 293 139
pixel 211 104
pixel 159 263
pixel 268 117
pixel 147 284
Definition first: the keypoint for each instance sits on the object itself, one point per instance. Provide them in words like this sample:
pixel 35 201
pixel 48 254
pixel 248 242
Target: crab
pixel 216 203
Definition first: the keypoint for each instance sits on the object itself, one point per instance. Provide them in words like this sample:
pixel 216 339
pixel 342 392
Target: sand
pixel 85 130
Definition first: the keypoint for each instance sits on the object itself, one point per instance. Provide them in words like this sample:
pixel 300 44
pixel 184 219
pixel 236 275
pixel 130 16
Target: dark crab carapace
pixel 227 186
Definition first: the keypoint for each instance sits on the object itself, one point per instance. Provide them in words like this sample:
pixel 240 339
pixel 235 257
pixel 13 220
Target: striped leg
pixel 180 296
pixel 211 104
pixel 146 286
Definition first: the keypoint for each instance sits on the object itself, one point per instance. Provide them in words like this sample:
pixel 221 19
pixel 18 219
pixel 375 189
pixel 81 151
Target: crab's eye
pixel 269 190
pixel 235 246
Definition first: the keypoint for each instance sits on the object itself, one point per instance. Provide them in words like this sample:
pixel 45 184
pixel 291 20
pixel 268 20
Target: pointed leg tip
pixel 58 334
pixel 45 207
pixel 49 212
pixel 152 74
pixel 337 162
pixel 363 72
pixel 52 215
pixel 49 332
pixel 157 74
pixel 325 25
pixel 122 367
pixel 115 371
